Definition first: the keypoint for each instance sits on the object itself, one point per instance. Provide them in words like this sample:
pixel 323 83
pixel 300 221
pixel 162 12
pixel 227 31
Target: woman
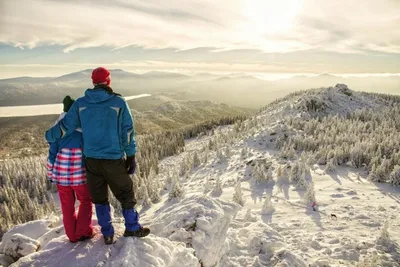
pixel 66 168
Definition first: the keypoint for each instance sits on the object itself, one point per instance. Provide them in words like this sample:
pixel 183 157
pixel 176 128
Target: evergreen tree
pixel 394 177
pixel 309 196
pixel 331 166
pixel 218 187
pixel 177 190
pixel 267 207
pixel 196 160
pixel 238 195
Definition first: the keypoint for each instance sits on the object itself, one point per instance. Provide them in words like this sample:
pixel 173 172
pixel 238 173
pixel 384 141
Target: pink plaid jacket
pixel 68 168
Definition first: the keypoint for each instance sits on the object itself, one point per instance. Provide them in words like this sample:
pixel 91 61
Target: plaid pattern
pixel 67 169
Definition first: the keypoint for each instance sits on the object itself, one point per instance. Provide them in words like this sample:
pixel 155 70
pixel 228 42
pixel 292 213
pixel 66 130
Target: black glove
pixel 131 164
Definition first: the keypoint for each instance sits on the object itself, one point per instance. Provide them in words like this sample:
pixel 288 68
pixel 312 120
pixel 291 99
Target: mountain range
pixel 234 89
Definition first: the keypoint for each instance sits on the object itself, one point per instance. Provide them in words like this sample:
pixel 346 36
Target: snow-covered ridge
pixel 337 100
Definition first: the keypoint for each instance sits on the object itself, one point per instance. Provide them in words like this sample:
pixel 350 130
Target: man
pixel 108 135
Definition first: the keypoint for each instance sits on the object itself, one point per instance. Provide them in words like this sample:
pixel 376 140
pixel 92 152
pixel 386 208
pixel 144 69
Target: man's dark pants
pixel 102 173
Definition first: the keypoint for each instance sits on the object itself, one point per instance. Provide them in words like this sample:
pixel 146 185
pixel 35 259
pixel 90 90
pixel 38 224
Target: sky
pixel 54 37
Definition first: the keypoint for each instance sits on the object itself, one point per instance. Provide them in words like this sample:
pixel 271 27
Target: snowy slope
pixel 324 101
pixel 221 214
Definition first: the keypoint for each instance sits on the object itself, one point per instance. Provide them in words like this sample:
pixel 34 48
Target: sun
pixel 270 16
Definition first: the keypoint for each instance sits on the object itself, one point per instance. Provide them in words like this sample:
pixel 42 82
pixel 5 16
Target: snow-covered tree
pixel 243 152
pixel 217 190
pixel 331 166
pixel 220 155
pixel 249 216
pixel 228 152
pixel 196 160
pixel 302 182
pixel 146 201
pixel 258 172
pixel 384 237
pixel 309 196
pixel 267 207
pixel 238 195
pixel 282 176
pixel 177 190
pixel 183 168
pixel 394 177
pixel 269 176
pixel 295 172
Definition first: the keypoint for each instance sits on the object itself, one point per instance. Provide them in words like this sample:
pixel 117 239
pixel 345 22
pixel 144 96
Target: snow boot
pixel 109 240
pixel 83 238
pixel 141 232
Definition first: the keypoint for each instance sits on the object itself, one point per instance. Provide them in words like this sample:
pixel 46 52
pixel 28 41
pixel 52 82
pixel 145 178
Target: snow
pixel 36 110
pixel 146 252
pixel 356 221
pixel 18 246
pixel 200 222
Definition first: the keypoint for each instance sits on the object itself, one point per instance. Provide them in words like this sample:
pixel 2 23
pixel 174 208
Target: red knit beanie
pixel 101 76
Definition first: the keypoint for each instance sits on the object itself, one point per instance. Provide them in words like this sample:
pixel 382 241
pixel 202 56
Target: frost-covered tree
pixel 217 190
pixel 146 201
pixel 249 216
pixel 177 190
pixel 262 172
pixel 384 237
pixel 394 177
pixel 238 195
pixel 244 152
pixel 309 196
pixel 331 166
pixel 282 176
pixel 228 152
pixel 220 155
pixel 269 176
pixel 296 171
pixel 196 160
pixel 205 156
pixel 23 192
pixel 258 172
pixel 302 182
pixel 267 207
pixel 288 152
pixel 362 139
pixel 183 168
pixel 142 192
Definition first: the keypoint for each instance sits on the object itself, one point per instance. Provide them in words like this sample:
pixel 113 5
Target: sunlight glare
pixel 270 16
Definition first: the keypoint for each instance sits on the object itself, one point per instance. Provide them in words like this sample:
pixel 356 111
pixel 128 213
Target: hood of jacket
pixel 97 95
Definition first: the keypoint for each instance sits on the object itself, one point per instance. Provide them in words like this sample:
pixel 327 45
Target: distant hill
pixel 233 89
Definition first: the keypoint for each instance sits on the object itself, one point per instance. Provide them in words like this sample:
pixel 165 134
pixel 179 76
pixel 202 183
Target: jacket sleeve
pixel 53 152
pixel 51 159
pixel 128 131
pixel 65 126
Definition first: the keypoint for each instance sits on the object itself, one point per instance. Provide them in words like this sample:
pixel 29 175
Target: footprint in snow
pixel 337 195
pixel 351 193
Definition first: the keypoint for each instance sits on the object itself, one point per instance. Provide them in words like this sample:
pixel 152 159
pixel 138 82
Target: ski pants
pixel 76 225
pixel 104 173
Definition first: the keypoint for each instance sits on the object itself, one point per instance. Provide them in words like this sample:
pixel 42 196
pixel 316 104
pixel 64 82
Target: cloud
pixel 271 26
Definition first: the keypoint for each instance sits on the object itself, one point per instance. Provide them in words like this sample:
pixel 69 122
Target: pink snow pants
pixel 79 225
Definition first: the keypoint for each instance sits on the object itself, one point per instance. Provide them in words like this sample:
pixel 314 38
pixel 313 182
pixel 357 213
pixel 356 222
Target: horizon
pixel 253 36
pixel 266 76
